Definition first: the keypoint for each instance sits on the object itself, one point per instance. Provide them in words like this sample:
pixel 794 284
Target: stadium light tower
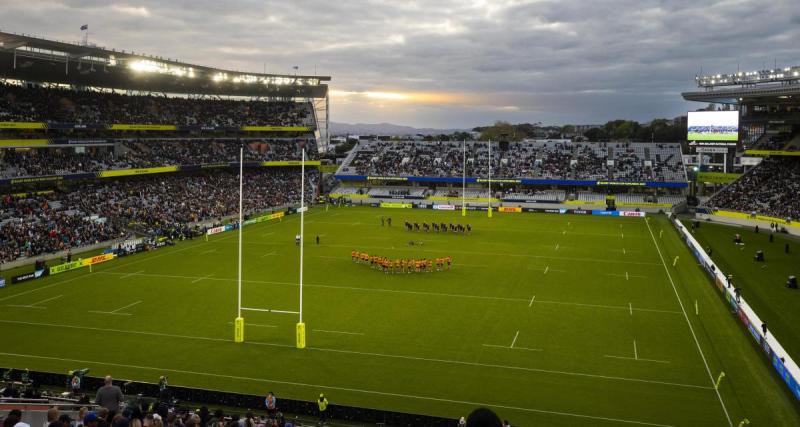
pixel 301 327
pixel 464 181
pixel 489 211
pixel 238 328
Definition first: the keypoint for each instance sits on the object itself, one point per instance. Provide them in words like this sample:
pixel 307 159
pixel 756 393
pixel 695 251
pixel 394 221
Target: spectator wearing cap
pixel 91 419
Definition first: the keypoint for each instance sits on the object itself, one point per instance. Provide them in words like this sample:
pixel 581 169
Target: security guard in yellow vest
pixel 322 403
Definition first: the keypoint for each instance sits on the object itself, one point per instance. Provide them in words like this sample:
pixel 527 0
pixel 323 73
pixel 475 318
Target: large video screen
pixel 713 126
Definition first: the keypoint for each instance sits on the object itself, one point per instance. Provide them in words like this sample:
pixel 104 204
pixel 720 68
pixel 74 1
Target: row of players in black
pixel 455 228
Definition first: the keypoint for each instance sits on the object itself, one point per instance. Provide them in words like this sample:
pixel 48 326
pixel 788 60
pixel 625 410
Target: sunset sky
pixel 454 63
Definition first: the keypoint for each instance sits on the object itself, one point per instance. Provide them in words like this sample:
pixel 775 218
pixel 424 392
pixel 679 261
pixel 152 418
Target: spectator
pixel 109 396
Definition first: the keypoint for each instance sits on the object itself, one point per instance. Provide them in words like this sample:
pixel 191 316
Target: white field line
pixel 109 312
pixel 557 246
pixel 47 300
pixel 329 257
pixel 626 276
pixel 269 254
pixel 210 251
pixel 171 252
pixel 630 308
pixel 530 304
pixel 511 348
pixel 362 353
pixel 546 269
pixel 636 359
pixel 514 341
pixel 26 306
pixel 127 306
pixel 117 311
pixel 347 389
pixel 398 291
pixel 691 328
pixel 635 351
pixel 201 278
pixel 41 288
pixel 132 274
pixel 338 332
pixel 268 234
pixel 500 254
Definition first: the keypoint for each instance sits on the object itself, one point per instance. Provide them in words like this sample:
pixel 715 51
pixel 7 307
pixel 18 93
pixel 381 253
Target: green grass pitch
pixel 701 136
pixel 762 283
pixel 559 320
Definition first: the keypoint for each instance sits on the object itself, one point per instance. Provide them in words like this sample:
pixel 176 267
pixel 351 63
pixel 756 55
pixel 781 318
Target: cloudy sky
pixel 450 63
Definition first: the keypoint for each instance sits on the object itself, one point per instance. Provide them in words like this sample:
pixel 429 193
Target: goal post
pixel 301 335
pixel 238 330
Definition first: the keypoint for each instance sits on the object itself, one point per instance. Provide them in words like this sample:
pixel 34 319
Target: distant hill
pixel 386 129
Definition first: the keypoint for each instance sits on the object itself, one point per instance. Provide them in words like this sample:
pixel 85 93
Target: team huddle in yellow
pixel 410 265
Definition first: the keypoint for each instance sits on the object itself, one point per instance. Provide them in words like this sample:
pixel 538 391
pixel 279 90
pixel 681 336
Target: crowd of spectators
pixel 157 205
pixel 770 189
pixel 146 153
pixel 58 105
pixel 527 159
pixel 158 417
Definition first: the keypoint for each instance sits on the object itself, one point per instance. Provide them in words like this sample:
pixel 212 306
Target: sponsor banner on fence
pixel 290 163
pixel 22 125
pixel 509 209
pixel 141 127
pixel 27 276
pixel 264 218
pixel 444 207
pixel 23 142
pixel 784 373
pixel 631 213
pixel 220 229
pixel 2 282
pixel 717 177
pixel 67 266
pixel 396 205
pixel 276 128
pixel 772 153
pixel 98 259
pixel 605 213
pixel 31 179
pixel 143 171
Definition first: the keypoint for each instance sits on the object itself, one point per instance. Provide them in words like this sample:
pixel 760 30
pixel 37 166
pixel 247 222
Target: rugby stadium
pixel 186 234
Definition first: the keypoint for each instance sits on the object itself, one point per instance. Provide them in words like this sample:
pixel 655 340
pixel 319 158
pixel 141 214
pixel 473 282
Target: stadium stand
pixel 397 191
pixel 147 153
pixel 162 205
pixel 527 159
pixel 769 189
pixel 56 105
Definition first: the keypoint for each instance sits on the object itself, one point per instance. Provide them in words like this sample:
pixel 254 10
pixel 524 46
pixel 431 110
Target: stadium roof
pixel 777 85
pixel 30 58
